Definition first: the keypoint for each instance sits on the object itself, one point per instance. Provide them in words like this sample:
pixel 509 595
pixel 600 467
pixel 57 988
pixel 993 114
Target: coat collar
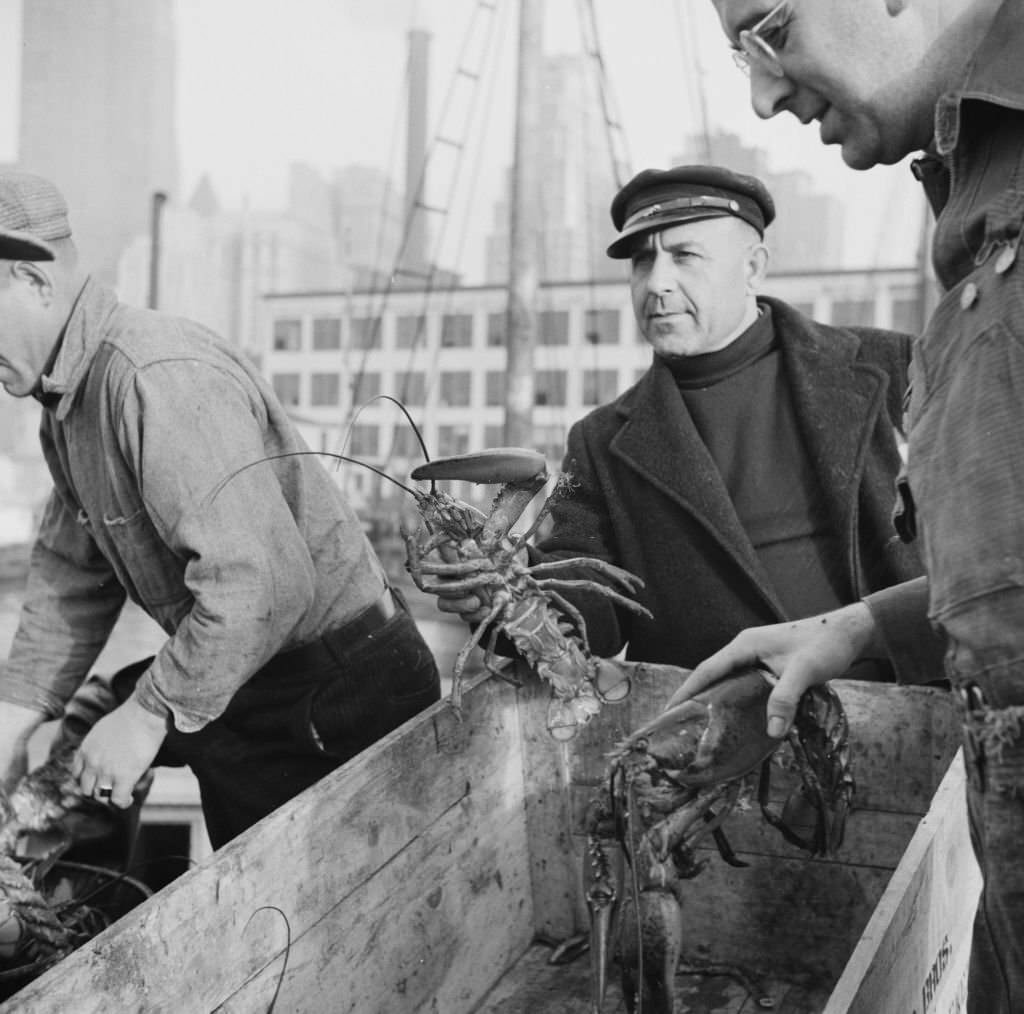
pixel 993 75
pixel 82 336
pixel 829 388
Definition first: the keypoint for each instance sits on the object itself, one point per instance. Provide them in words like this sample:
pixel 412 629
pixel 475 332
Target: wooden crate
pixel 420 876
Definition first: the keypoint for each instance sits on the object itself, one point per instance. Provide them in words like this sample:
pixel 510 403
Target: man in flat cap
pixel 748 475
pixel 286 650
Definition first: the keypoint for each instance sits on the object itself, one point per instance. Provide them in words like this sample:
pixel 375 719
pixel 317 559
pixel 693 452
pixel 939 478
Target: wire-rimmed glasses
pixel 751 47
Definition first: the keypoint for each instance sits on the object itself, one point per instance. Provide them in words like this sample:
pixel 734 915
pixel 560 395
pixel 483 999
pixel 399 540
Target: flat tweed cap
pixel 32 214
pixel 657 198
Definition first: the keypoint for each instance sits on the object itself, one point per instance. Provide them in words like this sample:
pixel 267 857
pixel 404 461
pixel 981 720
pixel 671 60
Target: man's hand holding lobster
pixel 472 604
pixel 802 654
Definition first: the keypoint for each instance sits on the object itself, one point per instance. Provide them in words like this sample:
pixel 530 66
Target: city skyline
pixel 244 114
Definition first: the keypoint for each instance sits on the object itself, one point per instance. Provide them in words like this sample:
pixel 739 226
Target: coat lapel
pixel 830 390
pixel 661 444
pixel 837 401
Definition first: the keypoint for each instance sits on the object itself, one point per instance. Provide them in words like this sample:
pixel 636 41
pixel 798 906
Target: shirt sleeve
pixel 71 604
pixel 911 643
pixel 192 432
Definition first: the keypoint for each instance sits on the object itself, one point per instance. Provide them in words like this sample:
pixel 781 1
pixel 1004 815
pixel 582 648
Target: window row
pixel 455 388
pixel 600 327
pixel 366 441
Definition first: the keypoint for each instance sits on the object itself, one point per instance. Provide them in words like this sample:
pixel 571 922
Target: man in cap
pixel 286 650
pixel 749 472
pixel 942 78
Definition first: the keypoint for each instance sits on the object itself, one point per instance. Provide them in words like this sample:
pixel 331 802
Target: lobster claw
pixel 602 894
pixel 523 473
pixel 495 465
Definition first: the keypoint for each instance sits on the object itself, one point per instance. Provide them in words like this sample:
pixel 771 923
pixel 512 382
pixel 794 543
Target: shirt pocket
pixel 966 461
pixel 151 573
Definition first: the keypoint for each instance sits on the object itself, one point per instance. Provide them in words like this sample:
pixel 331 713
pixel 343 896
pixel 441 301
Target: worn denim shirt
pixel 145 416
pixel 965 467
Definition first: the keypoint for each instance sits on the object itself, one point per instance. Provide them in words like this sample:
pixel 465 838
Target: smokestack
pixel 416 258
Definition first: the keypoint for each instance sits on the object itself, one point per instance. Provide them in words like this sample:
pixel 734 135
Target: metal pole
pixel 159 199
pixel 416 152
pixel 524 230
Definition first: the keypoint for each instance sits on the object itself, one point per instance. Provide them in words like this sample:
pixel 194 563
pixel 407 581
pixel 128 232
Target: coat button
pixel 1006 257
pixel 969 296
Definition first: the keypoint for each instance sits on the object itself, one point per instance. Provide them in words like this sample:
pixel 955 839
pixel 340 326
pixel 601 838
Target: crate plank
pixel 535 987
pixel 557 899
pixel 454 914
pixel 914 952
pixel 338 838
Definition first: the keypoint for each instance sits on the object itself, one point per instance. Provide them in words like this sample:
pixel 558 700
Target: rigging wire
pixel 368 339
pixel 469 194
pixel 616 137
pixel 618 149
pixel 456 141
pixel 691 58
pixel 380 296
pixel 458 144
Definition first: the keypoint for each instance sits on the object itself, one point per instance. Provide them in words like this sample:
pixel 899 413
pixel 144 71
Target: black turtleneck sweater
pixel 740 402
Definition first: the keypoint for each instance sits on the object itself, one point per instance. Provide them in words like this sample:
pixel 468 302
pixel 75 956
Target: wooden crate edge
pixel 914 952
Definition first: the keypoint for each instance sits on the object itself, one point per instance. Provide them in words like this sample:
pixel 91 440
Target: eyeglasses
pixel 753 48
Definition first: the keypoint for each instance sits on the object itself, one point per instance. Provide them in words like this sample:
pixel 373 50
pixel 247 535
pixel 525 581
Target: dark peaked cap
pixel 657 198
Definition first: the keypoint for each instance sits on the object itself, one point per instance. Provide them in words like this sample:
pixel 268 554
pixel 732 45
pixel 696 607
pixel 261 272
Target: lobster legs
pixel 671 784
pixel 651 942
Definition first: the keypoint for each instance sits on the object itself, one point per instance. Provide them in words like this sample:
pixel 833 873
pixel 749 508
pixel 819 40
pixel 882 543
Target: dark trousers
pixel 301 716
pixel 995 807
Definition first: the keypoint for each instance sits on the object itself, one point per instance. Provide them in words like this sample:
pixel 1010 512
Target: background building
pixel 330 354
pixel 808 230
pixel 98 114
pixel 577 183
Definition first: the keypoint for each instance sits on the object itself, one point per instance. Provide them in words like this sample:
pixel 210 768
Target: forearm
pixel 16 727
pixel 903 633
pixel 243 613
pixel 192 434
pixel 71 604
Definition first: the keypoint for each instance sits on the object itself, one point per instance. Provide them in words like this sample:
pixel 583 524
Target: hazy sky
pixel 266 82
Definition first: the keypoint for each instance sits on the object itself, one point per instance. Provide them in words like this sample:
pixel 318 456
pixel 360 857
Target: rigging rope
pixel 453 140
pixel 691 58
pixel 616 135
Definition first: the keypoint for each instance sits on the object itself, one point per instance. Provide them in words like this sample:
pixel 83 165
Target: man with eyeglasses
pixel 885 79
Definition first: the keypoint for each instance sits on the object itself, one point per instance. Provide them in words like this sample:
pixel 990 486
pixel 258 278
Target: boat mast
pixel 524 230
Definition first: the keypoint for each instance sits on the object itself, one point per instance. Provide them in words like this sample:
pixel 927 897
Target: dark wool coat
pixel 650 499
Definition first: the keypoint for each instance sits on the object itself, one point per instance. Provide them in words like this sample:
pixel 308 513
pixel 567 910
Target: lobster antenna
pixel 295 454
pixel 405 412
pixel 408 418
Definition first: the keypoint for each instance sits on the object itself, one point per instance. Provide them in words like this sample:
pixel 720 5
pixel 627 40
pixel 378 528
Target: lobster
pixel 478 555
pixel 671 784
pixel 47 807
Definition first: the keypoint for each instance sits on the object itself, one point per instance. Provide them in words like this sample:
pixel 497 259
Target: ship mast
pixel 524 230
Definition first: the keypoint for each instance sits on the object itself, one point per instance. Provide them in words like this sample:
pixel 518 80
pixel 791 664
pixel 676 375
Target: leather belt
pixel 326 648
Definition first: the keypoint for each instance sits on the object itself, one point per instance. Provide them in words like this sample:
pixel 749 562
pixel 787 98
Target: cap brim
pixel 23 246
pixel 622 248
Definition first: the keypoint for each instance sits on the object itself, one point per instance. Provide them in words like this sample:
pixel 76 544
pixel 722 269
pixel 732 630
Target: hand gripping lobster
pixel 671 784
pixel 456 549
